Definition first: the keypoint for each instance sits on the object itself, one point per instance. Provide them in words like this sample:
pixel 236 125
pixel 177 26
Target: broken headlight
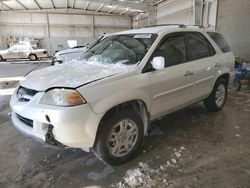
pixel 62 97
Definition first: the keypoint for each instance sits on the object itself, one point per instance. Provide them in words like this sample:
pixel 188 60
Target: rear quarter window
pixel 220 41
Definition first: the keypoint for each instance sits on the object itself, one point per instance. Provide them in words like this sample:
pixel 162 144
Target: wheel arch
pixel 32 54
pixel 225 76
pixel 3 57
pixel 137 105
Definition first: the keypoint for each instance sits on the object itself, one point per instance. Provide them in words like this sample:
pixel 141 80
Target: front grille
pixel 26 121
pixel 25 94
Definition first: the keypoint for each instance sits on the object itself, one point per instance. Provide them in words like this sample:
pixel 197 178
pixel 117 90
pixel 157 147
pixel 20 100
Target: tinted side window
pixel 173 49
pixel 198 46
pixel 220 41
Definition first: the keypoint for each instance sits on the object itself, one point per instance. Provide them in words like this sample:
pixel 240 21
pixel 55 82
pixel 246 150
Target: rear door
pixel 203 60
pixel 24 51
pixel 172 87
pixel 226 57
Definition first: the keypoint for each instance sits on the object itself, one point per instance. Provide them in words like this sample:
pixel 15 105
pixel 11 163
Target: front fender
pixel 102 106
pixel 107 93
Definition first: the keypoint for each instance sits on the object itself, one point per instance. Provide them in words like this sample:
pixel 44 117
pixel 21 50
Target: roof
pixel 160 29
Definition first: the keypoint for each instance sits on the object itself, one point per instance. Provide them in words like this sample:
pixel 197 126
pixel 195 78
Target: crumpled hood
pixel 71 75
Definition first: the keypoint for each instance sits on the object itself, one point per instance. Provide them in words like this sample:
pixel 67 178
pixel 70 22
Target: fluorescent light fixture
pixel 28 1
pixel 109 6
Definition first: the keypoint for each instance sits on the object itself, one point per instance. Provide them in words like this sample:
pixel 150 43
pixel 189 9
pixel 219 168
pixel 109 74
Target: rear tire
pixel 216 101
pixel 119 137
pixel 236 85
pixel 33 57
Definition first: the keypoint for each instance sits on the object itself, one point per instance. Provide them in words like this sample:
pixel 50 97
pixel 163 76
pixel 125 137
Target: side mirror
pixel 158 63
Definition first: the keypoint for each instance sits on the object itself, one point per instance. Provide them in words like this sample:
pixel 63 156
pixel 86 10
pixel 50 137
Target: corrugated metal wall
pixel 234 23
pixel 189 12
pixel 176 11
pixel 61 27
pixel 168 12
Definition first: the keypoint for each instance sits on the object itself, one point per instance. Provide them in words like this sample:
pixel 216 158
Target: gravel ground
pixel 186 149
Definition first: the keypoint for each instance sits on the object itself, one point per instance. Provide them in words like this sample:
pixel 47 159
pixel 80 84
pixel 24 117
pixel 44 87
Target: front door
pixel 173 86
pixel 12 52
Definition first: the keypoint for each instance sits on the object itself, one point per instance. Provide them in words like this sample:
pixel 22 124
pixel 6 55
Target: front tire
pixel 216 101
pixel 119 137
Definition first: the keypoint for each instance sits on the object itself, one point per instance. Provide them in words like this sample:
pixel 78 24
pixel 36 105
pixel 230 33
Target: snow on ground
pixel 100 175
pixel 144 176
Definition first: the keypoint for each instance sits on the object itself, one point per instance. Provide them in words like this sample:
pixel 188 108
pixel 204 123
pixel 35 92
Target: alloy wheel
pixel 123 138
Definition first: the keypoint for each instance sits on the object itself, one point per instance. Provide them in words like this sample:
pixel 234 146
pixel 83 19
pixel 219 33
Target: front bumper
pixel 72 126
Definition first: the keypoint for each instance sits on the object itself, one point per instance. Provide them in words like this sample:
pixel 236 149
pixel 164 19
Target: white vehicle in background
pixel 67 55
pixel 106 101
pixel 23 52
pixel 64 56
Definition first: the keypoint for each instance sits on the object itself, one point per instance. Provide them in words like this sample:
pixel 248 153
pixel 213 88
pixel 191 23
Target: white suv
pixel 106 101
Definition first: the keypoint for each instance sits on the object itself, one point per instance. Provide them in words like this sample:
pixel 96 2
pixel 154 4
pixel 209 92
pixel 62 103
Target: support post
pixel 93 26
pixel 48 25
pixel 152 15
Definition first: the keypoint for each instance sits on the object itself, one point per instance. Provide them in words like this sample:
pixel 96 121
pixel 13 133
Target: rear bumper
pixel 42 55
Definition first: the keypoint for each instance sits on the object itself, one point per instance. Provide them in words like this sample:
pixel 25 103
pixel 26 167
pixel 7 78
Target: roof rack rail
pixel 199 26
pixel 180 25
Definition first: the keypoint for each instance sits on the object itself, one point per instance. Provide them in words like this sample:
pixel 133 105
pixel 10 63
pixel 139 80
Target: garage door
pixel 177 11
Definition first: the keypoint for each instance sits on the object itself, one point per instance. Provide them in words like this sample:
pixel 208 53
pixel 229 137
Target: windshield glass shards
pixel 125 49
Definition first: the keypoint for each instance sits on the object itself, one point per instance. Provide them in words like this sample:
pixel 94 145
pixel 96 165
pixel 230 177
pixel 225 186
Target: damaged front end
pixel 50 139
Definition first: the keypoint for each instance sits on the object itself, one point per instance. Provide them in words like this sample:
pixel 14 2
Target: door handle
pixel 188 73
